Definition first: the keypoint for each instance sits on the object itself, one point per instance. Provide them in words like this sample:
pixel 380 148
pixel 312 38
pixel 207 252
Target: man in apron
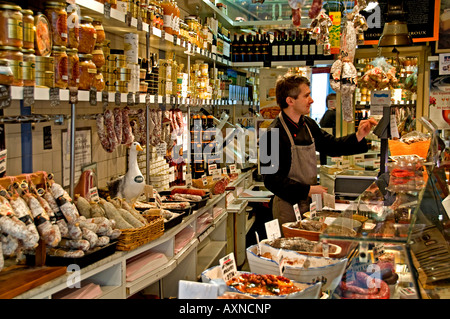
pixel 295 178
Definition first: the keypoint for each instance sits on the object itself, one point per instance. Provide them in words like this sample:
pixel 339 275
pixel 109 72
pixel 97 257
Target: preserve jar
pixel 101 36
pixel 57 16
pixel 11 30
pixel 6 75
pixel 61 66
pixel 99 82
pixel 88 35
pixel 73 28
pixel 28 67
pixel 43 36
pixel 98 57
pixel 74 67
pixel 45 79
pixel 45 63
pixel 28 29
pixel 14 56
pixel 88 71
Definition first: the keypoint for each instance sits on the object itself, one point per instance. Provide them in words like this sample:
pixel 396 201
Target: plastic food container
pixel 14 56
pixel 11 30
pixel 88 35
pixel 6 75
pixel 28 29
pixel 88 71
pixel 57 16
pixel 74 67
pixel 43 41
pixel 28 67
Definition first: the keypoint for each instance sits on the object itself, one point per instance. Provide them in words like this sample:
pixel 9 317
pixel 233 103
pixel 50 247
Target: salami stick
pixel 127 133
pixel 110 132
pixel 22 211
pixel 59 217
pixel 102 134
pixel 118 123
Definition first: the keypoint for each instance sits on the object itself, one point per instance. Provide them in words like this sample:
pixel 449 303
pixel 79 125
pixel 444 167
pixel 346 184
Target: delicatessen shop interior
pixel 131 150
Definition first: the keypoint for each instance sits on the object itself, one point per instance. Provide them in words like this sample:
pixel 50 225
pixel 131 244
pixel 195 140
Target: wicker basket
pixel 132 238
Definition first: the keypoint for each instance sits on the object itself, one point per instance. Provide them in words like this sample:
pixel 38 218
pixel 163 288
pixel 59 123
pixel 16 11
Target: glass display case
pixel 397 232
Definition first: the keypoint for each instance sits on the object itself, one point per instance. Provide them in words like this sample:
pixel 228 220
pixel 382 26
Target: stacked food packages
pixel 406 174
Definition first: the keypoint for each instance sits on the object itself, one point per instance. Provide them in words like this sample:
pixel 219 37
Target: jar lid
pixel 10 48
pixel 85 56
pixel 54 4
pixel 86 19
pixel 10 7
pixel 28 51
pixel 72 50
pixel 27 11
pixel 59 48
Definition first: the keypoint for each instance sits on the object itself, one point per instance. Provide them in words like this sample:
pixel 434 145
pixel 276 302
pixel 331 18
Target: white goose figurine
pixel 131 185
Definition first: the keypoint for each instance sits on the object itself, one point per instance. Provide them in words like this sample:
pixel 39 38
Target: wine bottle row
pixel 285 46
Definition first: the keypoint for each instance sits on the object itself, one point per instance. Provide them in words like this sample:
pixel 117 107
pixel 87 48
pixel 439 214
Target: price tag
pixel 158 200
pixel 139 24
pixel 93 96
pixel 117 98
pixel 217 175
pixel 204 180
pixel 107 10
pixel 224 170
pixel 394 127
pixel 148 100
pixel 174 39
pixel 130 99
pixel 5 96
pixel 128 18
pixel 280 261
pixel 232 168
pixel 212 168
pixel 312 210
pixel 93 193
pixel 188 180
pixel 161 149
pixel 55 97
pixel 137 98
pixel 228 266
pixel 28 96
pixel 258 243
pixel 3 157
pixel 298 215
pixel 73 95
pixel 272 229
pixel 105 98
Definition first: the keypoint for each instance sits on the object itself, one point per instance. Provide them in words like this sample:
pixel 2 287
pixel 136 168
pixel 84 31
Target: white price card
pixel 273 229
pixel 161 149
pixel 224 170
pixel 394 127
pixel 228 266
pixel 93 194
pixel 312 210
pixel 298 215
pixel 232 169
pixel 204 180
pixel 317 198
pixel 157 197
pixel 211 168
pixel 188 180
pixel 258 244
pixel 280 261
pixel 217 174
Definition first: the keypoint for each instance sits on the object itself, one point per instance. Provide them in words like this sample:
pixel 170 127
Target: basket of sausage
pixel 132 238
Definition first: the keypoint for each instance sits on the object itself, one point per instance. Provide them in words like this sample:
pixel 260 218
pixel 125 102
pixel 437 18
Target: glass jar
pixel 99 82
pixel 28 67
pixel 6 75
pixel 28 29
pixel 11 30
pixel 57 16
pixel 61 66
pixel 73 67
pixel 45 63
pixel 43 36
pixel 101 36
pixel 98 57
pixel 45 79
pixel 88 35
pixel 73 22
pixel 14 56
pixel 88 71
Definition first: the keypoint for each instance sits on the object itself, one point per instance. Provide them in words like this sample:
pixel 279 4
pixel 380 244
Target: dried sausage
pixel 59 217
pixel 102 134
pixel 110 131
pixel 118 124
pixel 127 133
pixel 22 211
pixel 142 127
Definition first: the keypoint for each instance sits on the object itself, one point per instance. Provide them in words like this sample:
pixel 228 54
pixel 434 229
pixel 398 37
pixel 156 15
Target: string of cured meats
pixel 113 128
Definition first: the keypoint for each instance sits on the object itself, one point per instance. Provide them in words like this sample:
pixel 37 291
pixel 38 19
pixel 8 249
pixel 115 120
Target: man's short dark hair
pixel 288 85
pixel 331 96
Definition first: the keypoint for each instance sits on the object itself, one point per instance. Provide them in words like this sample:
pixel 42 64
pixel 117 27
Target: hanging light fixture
pixel 395 31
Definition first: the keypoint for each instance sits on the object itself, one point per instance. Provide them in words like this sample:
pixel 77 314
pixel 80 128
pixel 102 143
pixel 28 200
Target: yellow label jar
pixel 28 67
pixel 88 71
pixel 28 29
pixel 11 25
pixel 14 56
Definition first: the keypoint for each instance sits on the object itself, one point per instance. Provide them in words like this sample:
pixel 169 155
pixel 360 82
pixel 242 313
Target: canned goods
pixel 45 79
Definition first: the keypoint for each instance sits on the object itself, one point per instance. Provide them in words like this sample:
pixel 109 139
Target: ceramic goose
pixel 131 185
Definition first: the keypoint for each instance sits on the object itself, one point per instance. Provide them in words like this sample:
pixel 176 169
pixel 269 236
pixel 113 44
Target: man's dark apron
pixel 303 170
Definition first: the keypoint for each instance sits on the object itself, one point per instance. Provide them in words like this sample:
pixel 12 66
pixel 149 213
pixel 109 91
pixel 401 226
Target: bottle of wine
pixel 282 47
pixel 312 47
pixel 258 48
pixel 265 54
pixel 297 47
pixel 235 49
pixel 290 47
pixel 274 46
pixel 305 47
pixel 242 48
pixel 250 48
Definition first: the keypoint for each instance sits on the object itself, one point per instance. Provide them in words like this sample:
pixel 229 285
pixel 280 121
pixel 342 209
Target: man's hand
pixel 364 128
pixel 317 189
